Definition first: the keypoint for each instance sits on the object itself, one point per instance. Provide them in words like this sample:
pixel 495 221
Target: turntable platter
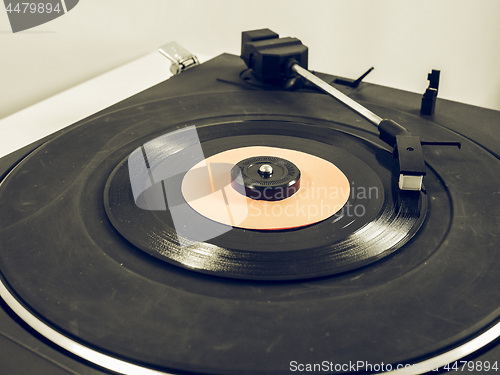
pixel 75 261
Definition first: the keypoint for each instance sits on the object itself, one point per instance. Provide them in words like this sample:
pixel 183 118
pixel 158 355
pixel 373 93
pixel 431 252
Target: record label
pixel 324 190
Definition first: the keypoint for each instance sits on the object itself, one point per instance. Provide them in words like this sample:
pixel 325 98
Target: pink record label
pixel 324 190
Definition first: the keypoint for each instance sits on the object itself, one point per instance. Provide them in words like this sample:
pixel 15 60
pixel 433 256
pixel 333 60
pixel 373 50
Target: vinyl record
pixel 377 218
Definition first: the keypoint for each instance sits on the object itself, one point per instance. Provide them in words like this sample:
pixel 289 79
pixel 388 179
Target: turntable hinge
pixel 180 57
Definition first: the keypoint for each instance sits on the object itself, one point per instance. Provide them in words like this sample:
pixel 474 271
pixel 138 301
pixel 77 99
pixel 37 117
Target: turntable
pixel 237 219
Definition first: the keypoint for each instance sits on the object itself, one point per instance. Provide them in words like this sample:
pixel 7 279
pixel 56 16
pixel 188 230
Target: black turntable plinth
pixel 98 276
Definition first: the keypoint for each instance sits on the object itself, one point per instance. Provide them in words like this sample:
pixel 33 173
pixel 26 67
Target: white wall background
pixel 403 39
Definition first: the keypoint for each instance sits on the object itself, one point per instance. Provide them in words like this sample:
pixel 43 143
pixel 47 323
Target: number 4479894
pixel 33 8
pixel 476 366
